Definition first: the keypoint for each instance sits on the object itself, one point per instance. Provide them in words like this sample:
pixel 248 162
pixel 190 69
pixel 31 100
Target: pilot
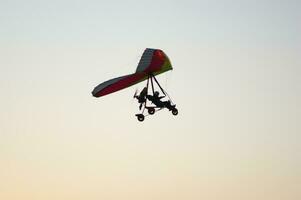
pixel 156 99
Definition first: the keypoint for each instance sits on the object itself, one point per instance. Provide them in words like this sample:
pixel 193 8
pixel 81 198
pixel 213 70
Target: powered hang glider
pixel 152 63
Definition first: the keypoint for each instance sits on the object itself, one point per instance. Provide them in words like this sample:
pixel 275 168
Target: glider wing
pixel 153 61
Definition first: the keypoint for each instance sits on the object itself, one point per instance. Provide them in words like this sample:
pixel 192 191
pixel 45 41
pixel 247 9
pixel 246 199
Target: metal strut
pixel 151 78
pixel 158 85
pixel 162 90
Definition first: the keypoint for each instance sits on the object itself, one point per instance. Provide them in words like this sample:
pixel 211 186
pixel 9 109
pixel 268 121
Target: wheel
pixel 174 111
pixel 151 111
pixel 140 117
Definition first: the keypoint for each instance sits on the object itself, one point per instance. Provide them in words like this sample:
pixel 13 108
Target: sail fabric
pixel 153 61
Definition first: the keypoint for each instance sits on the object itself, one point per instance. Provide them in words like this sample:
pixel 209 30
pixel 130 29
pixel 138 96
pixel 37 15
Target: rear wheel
pixel 174 111
pixel 151 111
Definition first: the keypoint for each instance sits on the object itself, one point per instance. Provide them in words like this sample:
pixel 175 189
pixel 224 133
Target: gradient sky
pixel 236 82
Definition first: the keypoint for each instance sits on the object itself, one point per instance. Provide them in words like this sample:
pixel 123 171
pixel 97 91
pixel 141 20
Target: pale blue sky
pixel 236 82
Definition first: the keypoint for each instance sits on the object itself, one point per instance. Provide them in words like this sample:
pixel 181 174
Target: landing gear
pixel 174 111
pixel 140 117
pixel 151 111
pixel 152 100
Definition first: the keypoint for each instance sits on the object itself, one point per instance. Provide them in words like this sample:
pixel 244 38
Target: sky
pixel 236 82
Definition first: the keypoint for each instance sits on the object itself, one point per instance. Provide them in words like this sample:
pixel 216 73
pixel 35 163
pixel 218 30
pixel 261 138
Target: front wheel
pixel 174 111
pixel 140 117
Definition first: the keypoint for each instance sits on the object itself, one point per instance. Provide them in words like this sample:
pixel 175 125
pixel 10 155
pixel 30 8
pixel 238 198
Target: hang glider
pixel 152 63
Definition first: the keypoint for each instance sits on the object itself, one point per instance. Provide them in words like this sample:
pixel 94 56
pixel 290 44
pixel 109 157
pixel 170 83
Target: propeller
pixel 135 95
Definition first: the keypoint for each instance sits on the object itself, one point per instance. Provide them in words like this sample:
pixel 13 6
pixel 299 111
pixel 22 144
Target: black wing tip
pixel 94 94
